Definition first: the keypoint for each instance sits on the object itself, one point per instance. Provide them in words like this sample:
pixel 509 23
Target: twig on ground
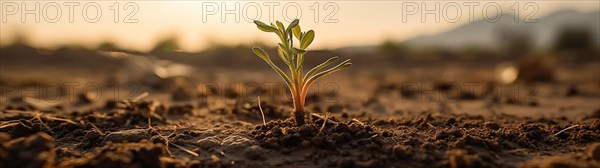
pixel 185 150
pixel 261 112
pixel 425 122
pixel 97 129
pixel 164 138
pixel 359 122
pixel 9 124
pixel 36 115
pixel 168 141
pixel 60 119
pixel 566 129
pixel 324 122
pixel 140 97
pixel 430 125
pixel 321 117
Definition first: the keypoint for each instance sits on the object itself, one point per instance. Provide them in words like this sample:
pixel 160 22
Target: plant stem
pixel 298 113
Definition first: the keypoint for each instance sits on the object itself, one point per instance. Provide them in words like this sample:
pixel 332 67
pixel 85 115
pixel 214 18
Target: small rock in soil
pixel 308 130
pixel 402 151
pixel 253 152
pixel 291 139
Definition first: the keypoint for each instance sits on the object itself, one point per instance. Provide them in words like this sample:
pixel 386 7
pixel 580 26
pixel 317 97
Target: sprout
pixel 293 56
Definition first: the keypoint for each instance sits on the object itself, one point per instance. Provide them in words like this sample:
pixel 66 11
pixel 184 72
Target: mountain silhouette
pixel 485 34
pixel 489 35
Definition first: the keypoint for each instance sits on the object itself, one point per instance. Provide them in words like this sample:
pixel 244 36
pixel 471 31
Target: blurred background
pixel 174 47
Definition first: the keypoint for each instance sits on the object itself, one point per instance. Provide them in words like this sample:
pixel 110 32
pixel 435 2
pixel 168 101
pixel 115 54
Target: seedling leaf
pixel 280 27
pixel 261 53
pixel 299 51
pixel 320 66
pixel 338 67
pixel 297 32
pixel 293 25
pixel 283 55
pixel 307 39
pixel 264 27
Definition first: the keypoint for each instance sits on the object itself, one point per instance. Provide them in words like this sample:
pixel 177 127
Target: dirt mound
pixel 333 134
pixel 337 143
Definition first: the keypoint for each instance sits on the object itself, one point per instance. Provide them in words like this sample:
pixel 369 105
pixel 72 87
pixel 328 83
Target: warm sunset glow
pixel 197 25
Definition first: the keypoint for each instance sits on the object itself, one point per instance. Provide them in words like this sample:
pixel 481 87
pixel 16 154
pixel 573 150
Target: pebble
pixel 253 152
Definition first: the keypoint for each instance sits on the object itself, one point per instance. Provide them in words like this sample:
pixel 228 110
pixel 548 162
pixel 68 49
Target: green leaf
pixel 283 55
pixel 290 57
pixel 264 27
pixel 307 39
pixel 293 24
pixel 306 83
pixel 282 46
pixel 297 32
pixel 338 67
pixel 262 54
pixel 320 66
pixel 300 60
pixel 280 26
pixel 284 50
pixel 287 79
pixel 298 51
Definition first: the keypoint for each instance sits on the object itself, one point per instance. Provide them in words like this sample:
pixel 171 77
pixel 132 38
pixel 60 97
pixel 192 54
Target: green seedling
pixel 293 57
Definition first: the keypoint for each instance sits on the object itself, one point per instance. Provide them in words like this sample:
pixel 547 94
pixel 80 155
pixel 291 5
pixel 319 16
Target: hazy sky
pixel 196 24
